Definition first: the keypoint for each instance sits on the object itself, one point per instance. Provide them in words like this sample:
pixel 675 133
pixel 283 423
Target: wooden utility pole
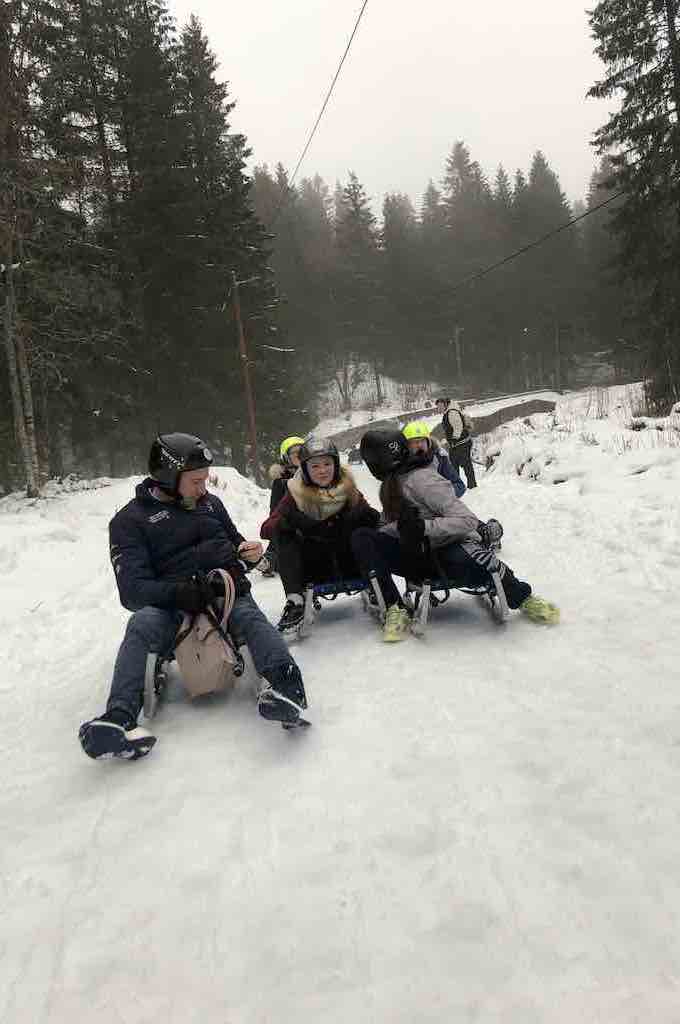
pixel 459 361
pixel 250 399
pixel 558 359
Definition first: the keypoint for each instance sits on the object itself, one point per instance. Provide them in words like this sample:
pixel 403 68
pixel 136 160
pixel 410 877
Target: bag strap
pixel 229 595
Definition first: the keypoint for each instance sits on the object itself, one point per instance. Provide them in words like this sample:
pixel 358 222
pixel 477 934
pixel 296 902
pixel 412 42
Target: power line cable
pixel 286 193
pixel 534 244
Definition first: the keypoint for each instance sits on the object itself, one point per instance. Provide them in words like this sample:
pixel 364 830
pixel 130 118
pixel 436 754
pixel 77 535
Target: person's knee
pixel 151 623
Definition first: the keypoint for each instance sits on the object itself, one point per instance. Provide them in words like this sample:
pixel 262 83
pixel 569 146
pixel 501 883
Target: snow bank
pixel 587 438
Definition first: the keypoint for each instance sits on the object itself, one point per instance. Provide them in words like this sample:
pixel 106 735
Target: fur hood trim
pixel 280 472
pixel 324 502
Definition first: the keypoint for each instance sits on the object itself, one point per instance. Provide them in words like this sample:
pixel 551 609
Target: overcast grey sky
pixel 507 76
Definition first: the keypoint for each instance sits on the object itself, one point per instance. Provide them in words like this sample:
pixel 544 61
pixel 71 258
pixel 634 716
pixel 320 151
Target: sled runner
pixel 371 599
pixel 420 597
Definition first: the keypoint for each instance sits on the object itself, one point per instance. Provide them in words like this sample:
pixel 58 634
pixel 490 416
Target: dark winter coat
pixel 328 513
pixel 155 544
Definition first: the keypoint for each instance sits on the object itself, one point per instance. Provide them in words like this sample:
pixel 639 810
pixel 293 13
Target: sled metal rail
pixel 371 597
pixel 420 597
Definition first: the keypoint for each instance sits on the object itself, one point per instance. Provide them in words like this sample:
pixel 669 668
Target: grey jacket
pixel 446 517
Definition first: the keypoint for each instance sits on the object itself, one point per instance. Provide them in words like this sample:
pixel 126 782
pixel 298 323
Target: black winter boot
pixel 291 617
pixel 283 698
pixel 516 591
pixel 115 734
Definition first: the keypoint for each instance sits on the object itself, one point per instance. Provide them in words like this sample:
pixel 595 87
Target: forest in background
pixel 126 210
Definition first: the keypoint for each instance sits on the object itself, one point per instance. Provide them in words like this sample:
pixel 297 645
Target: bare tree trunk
pixel 15 384
pixel 343 386
pixel 378 385
pixel 27 399
pixel 64 447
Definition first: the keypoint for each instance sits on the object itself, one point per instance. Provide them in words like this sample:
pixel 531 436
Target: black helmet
pixel 313 447
pixel 172 454
pixel 384 451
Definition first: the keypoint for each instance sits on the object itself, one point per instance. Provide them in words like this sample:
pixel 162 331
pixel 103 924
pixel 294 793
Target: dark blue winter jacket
pixel 155 544
pixel 445 468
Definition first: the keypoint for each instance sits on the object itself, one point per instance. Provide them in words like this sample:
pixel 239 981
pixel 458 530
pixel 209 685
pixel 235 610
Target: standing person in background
pixel 458 428
pixel 279 474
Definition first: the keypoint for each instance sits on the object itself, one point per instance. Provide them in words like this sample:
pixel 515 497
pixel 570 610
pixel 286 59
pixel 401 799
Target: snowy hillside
pixel 396 407
pixel 481 826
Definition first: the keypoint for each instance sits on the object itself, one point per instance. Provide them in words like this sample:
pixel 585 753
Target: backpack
pixel 205 652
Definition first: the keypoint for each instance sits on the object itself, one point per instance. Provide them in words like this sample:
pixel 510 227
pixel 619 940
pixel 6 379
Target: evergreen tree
pixel 608 302
pixel 639 43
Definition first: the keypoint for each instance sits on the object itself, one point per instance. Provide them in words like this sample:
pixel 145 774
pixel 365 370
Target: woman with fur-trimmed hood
pixel 313 523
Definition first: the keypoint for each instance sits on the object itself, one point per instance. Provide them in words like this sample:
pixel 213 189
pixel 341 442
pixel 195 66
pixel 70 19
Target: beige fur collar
pixel 322 503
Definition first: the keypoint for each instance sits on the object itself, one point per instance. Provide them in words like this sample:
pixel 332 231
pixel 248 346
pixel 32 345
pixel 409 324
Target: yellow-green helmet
pixel 417 429
pixel 287 444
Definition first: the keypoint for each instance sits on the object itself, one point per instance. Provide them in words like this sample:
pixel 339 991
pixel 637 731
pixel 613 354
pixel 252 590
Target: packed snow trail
pixel 482 826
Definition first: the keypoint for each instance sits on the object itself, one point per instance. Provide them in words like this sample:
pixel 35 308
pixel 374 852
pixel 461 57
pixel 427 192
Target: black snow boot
pixel 291 617
pixel 283 698
pixel 115 734
pixel 516 591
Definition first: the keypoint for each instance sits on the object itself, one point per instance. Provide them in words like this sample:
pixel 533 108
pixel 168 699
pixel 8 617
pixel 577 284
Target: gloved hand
pixel 411 527
pixel 490 532
pixel 193 595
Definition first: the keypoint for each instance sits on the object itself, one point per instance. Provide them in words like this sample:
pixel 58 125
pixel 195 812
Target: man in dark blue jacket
pixel 163 543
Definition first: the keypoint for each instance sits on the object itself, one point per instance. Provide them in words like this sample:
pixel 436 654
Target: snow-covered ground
pixel 481 826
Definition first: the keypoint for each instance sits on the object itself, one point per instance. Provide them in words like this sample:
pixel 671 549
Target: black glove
pixel 411 527
pixel 490 532
pixel 193 595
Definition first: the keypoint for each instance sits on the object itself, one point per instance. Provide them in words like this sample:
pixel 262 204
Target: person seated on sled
pixel 162 544
pixel 313 525
pixel 422 445
pixel 279 474
pixel 429 532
